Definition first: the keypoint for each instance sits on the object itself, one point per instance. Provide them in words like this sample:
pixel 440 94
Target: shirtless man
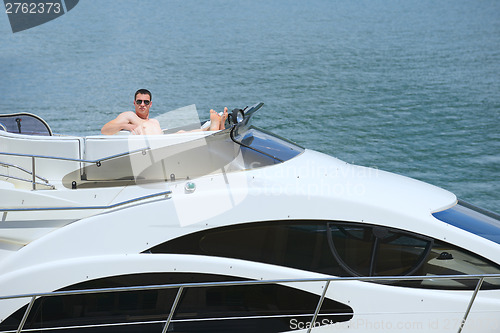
pixel 138 122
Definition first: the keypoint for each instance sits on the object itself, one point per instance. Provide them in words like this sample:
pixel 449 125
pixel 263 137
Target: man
pixel 138 122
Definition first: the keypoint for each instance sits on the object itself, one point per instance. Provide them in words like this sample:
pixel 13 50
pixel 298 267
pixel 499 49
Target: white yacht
pixel 236 230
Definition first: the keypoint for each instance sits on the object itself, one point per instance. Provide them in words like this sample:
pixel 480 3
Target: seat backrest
pixel 24 123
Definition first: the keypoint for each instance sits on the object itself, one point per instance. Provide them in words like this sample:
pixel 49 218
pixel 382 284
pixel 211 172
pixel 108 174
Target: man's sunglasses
pixel 139 102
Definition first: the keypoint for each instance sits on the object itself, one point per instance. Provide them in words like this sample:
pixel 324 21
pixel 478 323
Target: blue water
pixel 411 87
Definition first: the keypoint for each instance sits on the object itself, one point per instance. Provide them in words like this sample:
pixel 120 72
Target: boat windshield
pixel 472 219
pixel 24 123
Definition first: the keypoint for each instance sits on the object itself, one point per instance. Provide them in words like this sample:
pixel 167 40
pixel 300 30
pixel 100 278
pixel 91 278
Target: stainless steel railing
pixel 121 203
pixel 34 157
pixel 182 287
pixel 8 165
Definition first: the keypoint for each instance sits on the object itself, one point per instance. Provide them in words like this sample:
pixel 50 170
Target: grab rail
pixel 96 161
pixel 52 187
pixel 166 193
pixel 76 159
pixel 9 165
pixel 184 286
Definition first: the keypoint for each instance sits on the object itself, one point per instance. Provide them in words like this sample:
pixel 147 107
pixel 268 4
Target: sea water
pixel 411 87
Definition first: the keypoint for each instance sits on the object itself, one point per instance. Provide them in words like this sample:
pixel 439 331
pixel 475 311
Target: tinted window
pixel 266 143
pixel 377 251
pixel 472 219
pixel 297 245
pixel 399 254
pixel 339 249
pixel 250 308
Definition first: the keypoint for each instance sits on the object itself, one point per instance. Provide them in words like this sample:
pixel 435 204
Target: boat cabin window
pixel 472 219
pixel 245 308
pixel 377 251
pixel 339 249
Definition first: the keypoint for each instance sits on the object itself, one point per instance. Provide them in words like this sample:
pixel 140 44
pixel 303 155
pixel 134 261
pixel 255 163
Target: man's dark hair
pixel 145 92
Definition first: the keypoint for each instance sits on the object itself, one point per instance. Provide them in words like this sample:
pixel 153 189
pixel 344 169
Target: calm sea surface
pixel 411 87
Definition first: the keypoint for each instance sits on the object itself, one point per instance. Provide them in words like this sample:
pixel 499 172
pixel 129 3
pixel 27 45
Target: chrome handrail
pixel 476 290
pixel 183 286
pixel 27 180
pixel 9 165
pixel 77 159
pixel 166 193
pixel 96 161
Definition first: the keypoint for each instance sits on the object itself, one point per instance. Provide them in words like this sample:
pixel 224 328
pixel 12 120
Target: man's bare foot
pixel 223 119
pixel 214 121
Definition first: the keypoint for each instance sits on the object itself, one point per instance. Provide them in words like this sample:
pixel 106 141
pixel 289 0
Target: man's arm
pixel 125 121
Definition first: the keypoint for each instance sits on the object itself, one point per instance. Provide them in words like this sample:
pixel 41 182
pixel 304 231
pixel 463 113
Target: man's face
pixel 141 109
